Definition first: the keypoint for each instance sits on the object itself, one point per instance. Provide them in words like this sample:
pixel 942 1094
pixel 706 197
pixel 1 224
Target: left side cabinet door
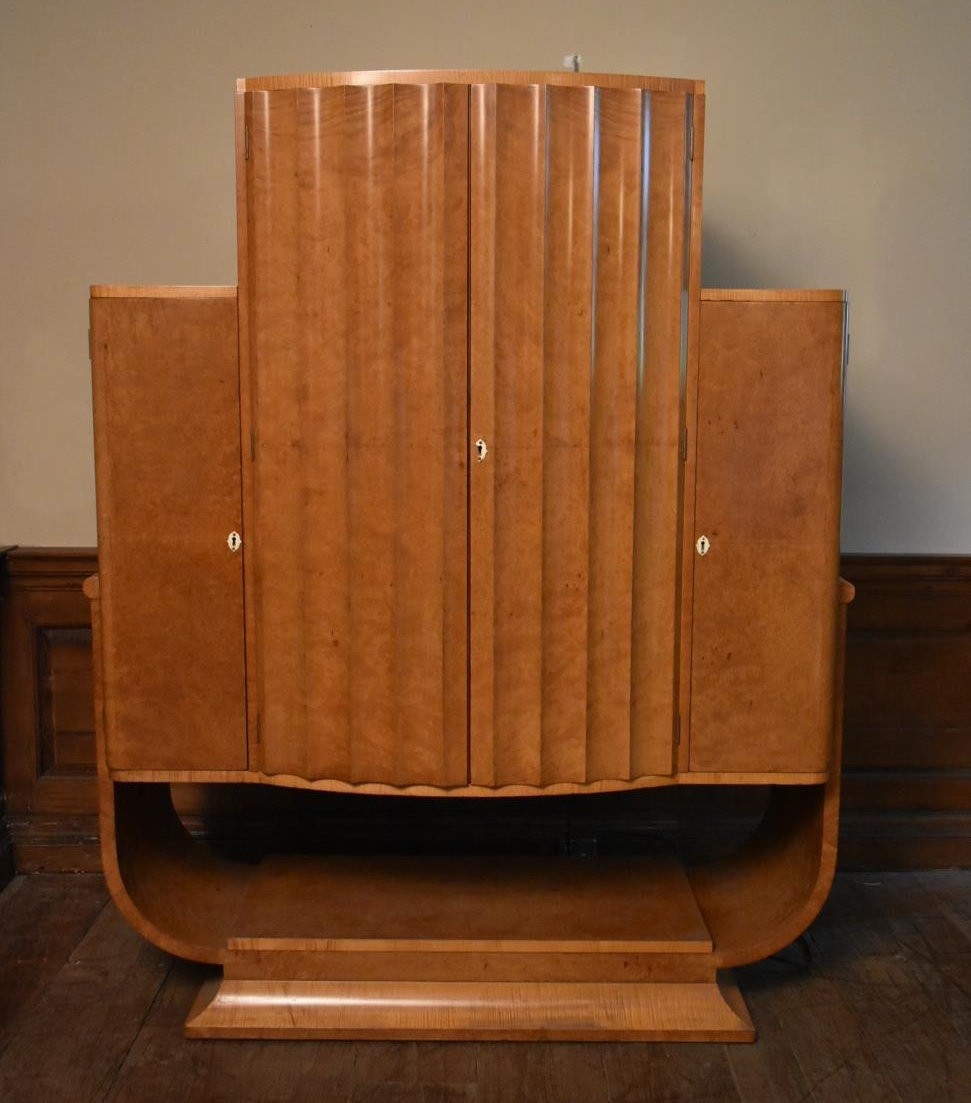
pixel 166 408
pixel 354 364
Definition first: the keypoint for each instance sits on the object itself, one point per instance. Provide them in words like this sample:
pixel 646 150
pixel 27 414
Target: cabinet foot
pixel 471 1011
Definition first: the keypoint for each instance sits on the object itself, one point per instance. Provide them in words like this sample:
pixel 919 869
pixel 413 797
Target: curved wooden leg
pixel 761 898
pixel 764 896
pixel 173 890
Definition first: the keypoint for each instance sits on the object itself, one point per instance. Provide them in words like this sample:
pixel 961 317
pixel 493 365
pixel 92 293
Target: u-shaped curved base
pixel 525 948
pixel 425 962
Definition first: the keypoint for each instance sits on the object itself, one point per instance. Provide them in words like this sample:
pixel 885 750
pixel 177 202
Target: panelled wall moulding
pixel 47 720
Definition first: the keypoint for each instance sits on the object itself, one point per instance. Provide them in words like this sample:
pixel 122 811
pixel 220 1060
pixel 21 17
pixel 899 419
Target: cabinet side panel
pixel 357 204
pixel 166 392
pixel 768 479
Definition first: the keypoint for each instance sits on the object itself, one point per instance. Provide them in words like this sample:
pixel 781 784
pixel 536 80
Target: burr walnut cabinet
pixel 468 490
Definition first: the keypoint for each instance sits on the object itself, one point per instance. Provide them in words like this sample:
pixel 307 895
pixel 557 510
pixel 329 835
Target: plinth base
pixel 471 948
pixel 467 1011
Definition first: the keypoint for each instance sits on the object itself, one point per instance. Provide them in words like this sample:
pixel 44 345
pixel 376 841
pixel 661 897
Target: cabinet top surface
pixel 772 295
pixel 708 294
pixel 467 76
pixel 160 291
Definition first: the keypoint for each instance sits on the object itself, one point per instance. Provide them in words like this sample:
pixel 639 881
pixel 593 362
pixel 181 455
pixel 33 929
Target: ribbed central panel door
pixel 577 344
pixel 356 285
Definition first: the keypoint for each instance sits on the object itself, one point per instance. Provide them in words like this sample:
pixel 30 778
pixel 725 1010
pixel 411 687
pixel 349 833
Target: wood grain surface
pixel 509 903
pixel 166 416
pixel 768 501
pixel 352 237
pixel 457 1011
pixel 577 272
pixel 356 231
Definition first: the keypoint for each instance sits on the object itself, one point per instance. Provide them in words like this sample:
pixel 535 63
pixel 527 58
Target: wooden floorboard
pixel 675 1072
pixel 873 1005
pixel 71 1036
pixel 42 919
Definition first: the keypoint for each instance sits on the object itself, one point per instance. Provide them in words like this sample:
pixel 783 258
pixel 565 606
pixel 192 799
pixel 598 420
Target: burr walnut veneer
pixel 468 490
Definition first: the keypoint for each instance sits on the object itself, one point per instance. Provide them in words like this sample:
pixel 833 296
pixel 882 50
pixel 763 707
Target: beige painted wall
pixel 838 154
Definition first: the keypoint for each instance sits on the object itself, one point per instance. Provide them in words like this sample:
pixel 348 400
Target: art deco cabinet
pixel 468 490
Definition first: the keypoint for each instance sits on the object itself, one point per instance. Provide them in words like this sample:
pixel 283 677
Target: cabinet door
pixel 354 272
pixel 578 278
pixel 166 410
pixel 768 477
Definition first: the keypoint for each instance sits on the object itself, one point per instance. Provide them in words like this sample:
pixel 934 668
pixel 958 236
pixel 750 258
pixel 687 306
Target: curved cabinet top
pixel 468 76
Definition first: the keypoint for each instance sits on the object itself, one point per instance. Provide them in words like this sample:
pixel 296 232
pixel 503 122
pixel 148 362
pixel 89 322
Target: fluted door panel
pixel 578 212
pixel 357 212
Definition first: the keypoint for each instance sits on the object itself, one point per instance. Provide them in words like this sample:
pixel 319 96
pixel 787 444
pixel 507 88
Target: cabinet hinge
pixel 677 731
pixel 246 142
pixel 684 443
pixel 252 445
pixel 691 142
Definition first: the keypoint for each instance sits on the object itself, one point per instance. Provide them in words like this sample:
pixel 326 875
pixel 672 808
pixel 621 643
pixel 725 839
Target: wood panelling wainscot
pixel 6 847
pixel 907 740
pixel 48 713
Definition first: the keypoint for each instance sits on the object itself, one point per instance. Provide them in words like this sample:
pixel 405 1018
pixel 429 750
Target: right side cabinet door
pixel 767 522
pixel 578 269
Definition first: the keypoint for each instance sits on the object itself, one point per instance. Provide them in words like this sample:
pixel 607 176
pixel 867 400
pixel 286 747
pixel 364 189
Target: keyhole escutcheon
pixel 481 450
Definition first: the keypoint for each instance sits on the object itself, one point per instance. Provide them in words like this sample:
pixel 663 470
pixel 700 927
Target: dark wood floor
pixel 874 1006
